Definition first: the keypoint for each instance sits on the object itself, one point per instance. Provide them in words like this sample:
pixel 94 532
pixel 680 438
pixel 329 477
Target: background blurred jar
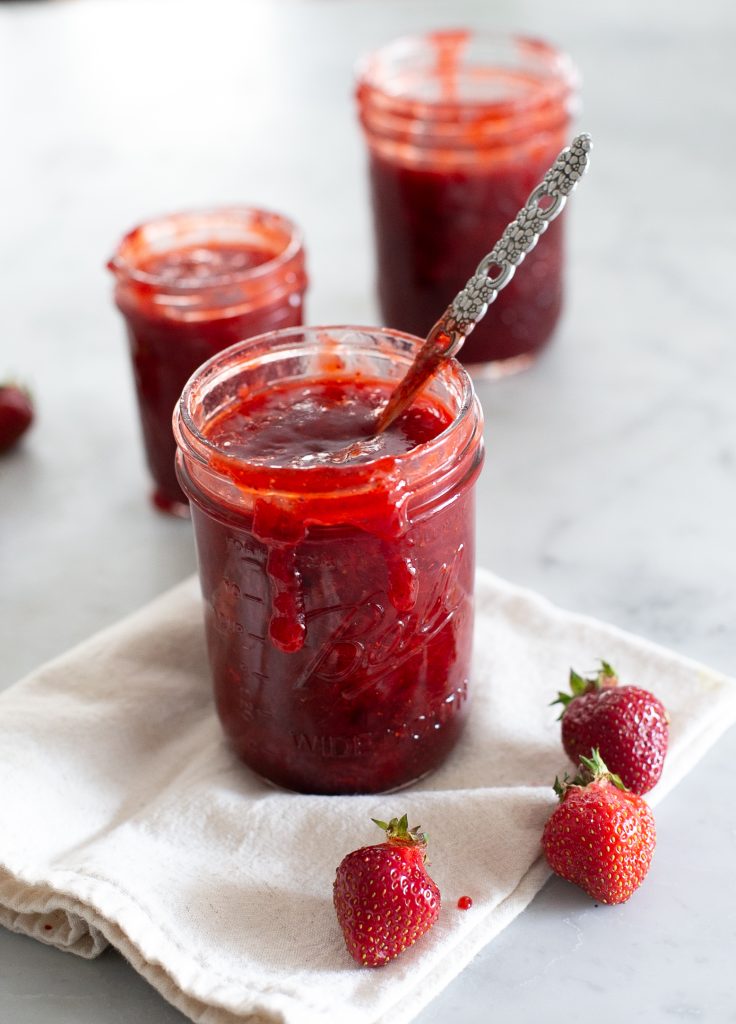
pixel 190 285
pixel 460 127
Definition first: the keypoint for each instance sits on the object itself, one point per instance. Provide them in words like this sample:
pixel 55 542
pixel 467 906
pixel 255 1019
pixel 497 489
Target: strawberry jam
pixel 424 259
pixel 460 128
pixel 336 565
pixel 189 286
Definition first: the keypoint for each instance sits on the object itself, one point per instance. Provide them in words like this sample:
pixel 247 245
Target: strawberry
pixel 16 414
pixel 383 896
pixel 601 836
pixel 629 726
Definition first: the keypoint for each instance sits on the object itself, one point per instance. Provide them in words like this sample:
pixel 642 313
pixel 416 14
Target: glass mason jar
pixel 460 127
pixel 190 285
pixel 338 597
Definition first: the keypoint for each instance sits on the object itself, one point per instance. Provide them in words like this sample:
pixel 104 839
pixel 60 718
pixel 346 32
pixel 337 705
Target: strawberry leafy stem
pixel 398 829
pixel 605 676
pixel 592 769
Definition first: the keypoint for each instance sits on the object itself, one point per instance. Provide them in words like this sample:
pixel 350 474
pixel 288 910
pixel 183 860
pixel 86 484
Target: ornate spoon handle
pixel 469 306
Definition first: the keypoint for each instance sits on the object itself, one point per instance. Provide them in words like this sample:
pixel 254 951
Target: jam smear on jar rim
pixel 336 565
pixel 190 285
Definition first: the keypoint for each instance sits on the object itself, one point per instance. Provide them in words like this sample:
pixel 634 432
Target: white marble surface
pixel 610 483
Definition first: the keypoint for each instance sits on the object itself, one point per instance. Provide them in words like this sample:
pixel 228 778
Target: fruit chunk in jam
pixel 339 632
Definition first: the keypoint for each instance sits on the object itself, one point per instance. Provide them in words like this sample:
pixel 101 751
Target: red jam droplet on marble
pixel 464 903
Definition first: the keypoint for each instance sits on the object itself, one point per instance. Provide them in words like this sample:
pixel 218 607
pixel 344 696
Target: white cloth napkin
pixel 125 819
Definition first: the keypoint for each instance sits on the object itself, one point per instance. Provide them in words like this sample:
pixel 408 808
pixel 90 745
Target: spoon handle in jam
pixel 493 273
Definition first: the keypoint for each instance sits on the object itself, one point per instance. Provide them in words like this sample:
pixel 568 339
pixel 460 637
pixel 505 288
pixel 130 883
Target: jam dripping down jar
pixel 337 586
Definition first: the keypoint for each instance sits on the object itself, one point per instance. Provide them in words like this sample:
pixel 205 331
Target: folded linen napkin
pixel 125 819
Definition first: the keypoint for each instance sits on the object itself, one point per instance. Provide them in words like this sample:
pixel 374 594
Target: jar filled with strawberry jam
pixel 460 128
pixel 336 566
pixel 190 285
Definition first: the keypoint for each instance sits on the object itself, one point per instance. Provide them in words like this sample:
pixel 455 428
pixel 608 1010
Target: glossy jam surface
pixel 433 226
pixel 194 265
pixel 339 632
pixel 167 346
pixel 322 423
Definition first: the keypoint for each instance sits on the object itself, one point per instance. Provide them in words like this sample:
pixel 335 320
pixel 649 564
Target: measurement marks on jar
pixel 237 611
